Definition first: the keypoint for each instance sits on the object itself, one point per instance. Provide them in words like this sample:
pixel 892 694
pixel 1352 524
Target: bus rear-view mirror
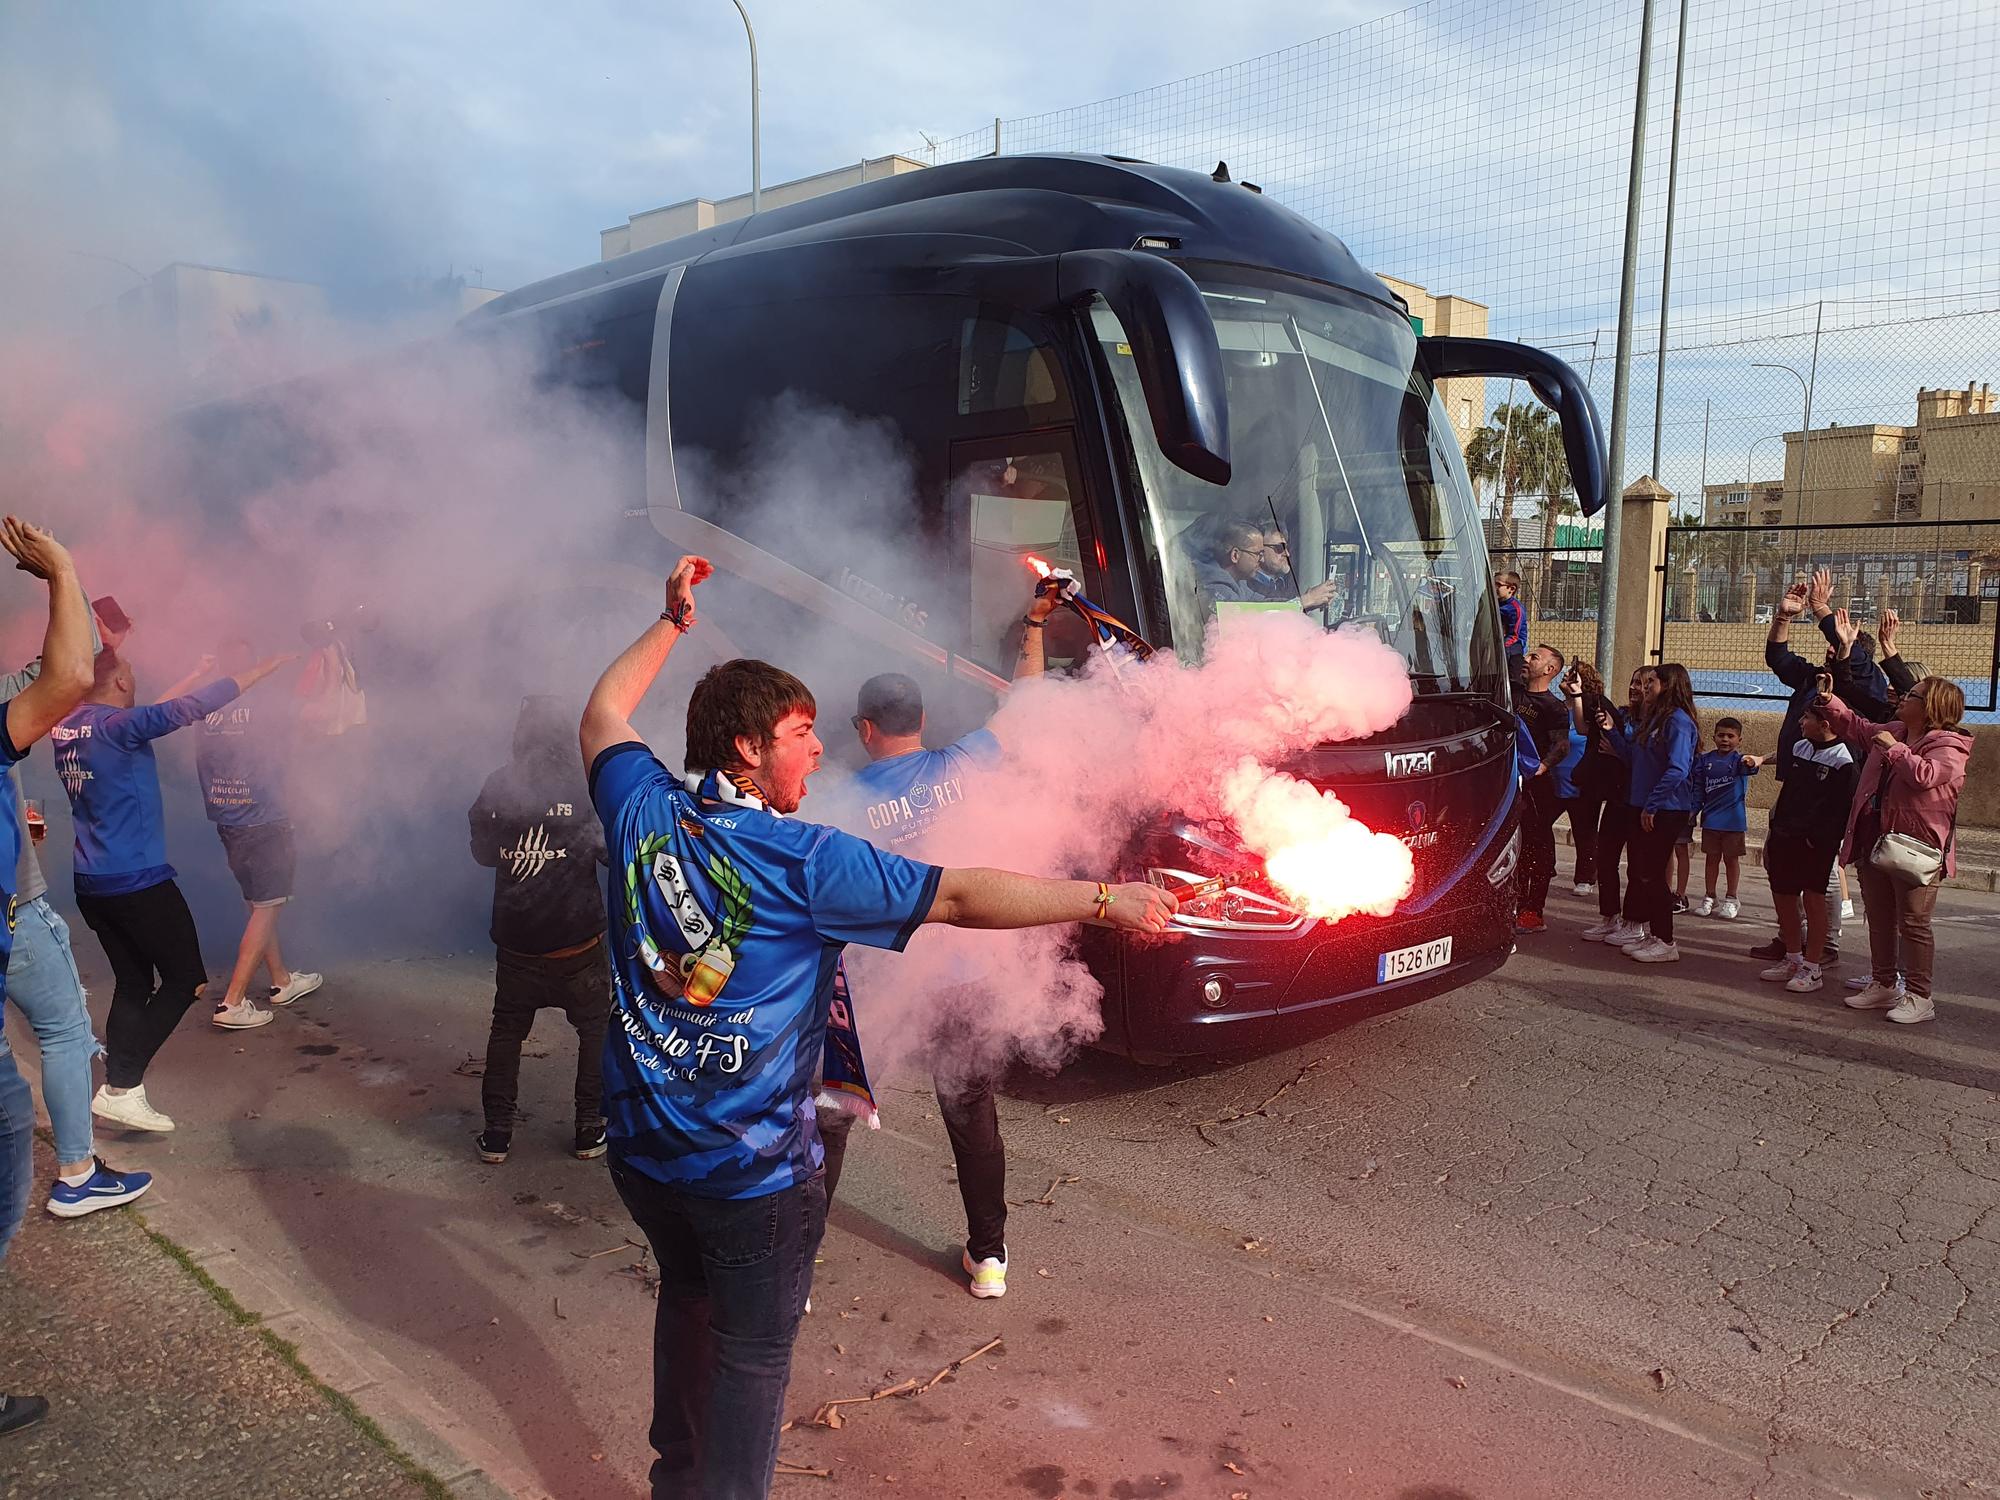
pixel 1174 347
pixel 1556 386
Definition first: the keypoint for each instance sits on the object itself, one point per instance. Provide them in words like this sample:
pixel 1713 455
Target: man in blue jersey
pixel 727 918
pixel 28 715
pixel 239 757
pixel 893 801
pixel 124 886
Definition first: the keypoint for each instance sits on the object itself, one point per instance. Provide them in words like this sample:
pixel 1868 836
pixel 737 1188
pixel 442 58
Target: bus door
pixel 1013 498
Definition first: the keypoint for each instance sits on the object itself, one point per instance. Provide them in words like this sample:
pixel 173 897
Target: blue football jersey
pixel 726 921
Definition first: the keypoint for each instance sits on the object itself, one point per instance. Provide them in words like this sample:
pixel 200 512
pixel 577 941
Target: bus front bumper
pixel 1204 994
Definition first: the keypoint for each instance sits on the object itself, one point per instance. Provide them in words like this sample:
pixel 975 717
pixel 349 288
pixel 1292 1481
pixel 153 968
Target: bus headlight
pixel 1234 909
pixel 1502 869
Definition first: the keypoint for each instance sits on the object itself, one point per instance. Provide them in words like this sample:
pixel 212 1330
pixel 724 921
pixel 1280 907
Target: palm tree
pixel 1520 450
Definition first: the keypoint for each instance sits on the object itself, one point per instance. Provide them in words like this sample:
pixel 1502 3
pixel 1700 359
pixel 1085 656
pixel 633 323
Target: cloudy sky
pixel 1838 165
pixel 374 137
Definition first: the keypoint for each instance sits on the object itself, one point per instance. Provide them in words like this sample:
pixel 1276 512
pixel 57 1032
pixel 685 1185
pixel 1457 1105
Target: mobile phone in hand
pixel 109 616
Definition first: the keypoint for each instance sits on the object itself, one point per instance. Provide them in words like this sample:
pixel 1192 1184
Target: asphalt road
pixel 1586 1228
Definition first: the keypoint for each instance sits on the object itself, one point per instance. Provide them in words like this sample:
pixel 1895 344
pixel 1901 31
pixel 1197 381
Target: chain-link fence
pixel 1559 592
pixel 1722 585
pixel 1836 241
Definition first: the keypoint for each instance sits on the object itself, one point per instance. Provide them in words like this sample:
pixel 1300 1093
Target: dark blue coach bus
pixel 1089 358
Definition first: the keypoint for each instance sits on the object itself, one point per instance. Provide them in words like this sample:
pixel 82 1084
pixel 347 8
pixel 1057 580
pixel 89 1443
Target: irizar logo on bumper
pixel 1408 762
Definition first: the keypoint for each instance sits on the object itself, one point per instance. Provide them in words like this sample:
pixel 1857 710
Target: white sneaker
pixel 989 1276
pixel 1600 931
pixel 1847 911
pixel 1806 980
pixel 1583 888
pixel 301 986
pixel 1877 996
pixel 1782 970
pixel 129 1109
pixel 1727 908
pixel 1631 935
pixel 241 1016
pixel 1912 1009
pixel 1654 951
pixel 1707 907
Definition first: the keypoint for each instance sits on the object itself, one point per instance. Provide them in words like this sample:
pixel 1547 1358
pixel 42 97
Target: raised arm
pixel 247 680
pixel 203 671
pixel 64 675
pixel 14 682
pixel 1002 899
pixel 1034 658
pixel 607 717
pixel 1901 678
pixel 1793 670
pixel 133 727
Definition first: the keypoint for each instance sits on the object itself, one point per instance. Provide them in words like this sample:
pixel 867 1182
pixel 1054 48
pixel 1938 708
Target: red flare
pixel 1040 567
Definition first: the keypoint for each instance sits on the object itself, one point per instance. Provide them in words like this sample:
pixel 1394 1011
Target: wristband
pixel 676 618
pixel 1032 623
pixel 1105 896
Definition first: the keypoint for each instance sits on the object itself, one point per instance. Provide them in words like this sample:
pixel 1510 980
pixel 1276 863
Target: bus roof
pixel 1010 206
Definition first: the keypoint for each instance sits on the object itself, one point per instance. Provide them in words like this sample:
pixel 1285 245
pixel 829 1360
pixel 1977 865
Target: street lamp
pixel 756 149
pixel 1750 459
pixel 1805 438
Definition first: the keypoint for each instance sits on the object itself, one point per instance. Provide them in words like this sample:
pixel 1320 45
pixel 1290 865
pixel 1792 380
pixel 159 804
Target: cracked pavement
pixel 1790 1208
pixel 1583 1228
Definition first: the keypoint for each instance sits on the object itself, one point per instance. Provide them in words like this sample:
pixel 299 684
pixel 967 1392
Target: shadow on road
pixel 1823 1027
pixel 355 1235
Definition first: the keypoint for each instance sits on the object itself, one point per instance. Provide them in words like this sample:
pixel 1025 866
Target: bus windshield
pixel 1348 495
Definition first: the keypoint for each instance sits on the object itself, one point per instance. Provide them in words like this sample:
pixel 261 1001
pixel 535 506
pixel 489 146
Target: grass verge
pixel 423 1478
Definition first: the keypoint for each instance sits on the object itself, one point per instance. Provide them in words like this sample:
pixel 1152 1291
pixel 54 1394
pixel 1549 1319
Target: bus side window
pixel 1003 368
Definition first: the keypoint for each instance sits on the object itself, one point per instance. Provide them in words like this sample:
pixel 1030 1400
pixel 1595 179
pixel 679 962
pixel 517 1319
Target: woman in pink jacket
pixel 1916 765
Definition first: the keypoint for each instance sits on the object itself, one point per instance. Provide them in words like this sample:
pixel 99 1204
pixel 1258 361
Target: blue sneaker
pixel 106 1189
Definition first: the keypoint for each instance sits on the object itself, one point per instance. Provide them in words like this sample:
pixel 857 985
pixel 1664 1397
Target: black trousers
pixel 1615 825
pixel 580 987
pixel 1540 808
pixel 972 1121
pixel 1584 811
pixel 1649 897
pixel 144 933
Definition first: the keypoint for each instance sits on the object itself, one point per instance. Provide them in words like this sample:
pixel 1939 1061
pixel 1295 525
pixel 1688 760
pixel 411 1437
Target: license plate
pixel 1401 963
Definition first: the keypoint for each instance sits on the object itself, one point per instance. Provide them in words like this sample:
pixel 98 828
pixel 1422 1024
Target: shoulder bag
pixel 1904 857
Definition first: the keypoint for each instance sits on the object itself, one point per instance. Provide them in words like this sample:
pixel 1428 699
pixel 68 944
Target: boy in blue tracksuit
pixel 1721 780
pixel 124 886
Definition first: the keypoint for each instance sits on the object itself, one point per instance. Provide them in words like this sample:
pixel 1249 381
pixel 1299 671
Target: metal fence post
pixel 1621 382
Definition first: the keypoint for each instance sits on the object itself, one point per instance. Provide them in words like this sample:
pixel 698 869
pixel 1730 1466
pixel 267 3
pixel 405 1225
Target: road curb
pixel 1968 878
pixel 402 1409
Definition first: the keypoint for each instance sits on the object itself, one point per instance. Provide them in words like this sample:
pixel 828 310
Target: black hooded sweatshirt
pixel 535 828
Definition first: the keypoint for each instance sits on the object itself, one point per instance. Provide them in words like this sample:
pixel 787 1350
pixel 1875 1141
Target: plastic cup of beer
pixel 37 828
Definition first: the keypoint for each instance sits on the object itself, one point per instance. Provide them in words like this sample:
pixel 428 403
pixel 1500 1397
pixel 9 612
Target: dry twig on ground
pixel 829 1415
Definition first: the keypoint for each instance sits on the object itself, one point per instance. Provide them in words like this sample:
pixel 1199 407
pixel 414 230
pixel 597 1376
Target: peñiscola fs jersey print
pixel 727 921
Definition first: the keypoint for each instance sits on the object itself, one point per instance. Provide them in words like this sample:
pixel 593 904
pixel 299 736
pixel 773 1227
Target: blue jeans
pixel 734 1277
pixel 17 1145
pixel 42 980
